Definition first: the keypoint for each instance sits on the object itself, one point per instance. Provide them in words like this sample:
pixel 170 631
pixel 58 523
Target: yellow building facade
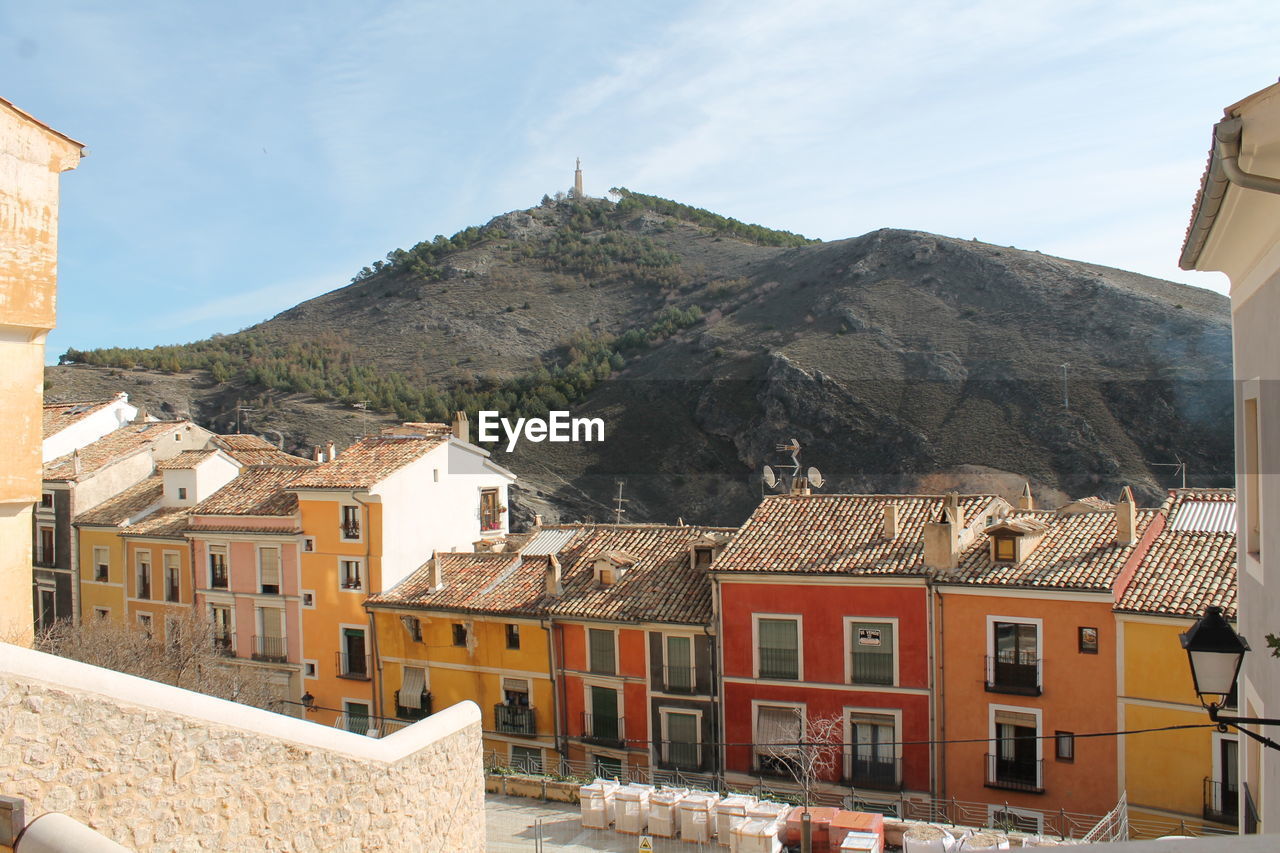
pixel 102 572
pixel 158 576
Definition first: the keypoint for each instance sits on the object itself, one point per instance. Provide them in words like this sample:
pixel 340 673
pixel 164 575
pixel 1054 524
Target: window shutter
pixel 269 563
pixel 778 634
pixel 778 731
pixel 682 728
pixel 412 687
pixel 272 622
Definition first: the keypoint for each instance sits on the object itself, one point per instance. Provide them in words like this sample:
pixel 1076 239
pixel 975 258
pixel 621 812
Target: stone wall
pixel 161 769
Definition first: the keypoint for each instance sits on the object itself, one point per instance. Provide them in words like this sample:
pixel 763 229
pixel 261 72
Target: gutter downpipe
pixel 547 626
pixel 373 637
pixel 938 696
pixel 1226 144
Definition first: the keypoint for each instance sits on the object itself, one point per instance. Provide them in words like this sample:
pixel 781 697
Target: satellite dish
pixel 770 478
pixel 815 477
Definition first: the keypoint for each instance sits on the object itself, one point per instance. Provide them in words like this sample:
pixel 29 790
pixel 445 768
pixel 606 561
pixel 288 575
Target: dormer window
pixel 607 576
pixel 1005 549
pixel 610 566
pixel 702 556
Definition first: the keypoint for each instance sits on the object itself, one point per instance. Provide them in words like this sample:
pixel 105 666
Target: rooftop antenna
pixel 618 501
pixel 1178 467
pixel 239 409
pixel 1066 402
pixel 792 480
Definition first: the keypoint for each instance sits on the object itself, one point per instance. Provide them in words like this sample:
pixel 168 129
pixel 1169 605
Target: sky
pixel 245 156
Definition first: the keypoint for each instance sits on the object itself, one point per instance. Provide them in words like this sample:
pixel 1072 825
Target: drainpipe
pixel 1226 144
pixel 717 769
pixel 562 710
pixel 376 699
pixel 942 699
pixel 377 666
pixel 545 624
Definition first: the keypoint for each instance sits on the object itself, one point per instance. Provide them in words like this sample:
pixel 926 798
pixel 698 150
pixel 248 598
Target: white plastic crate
pixel 597 803
pixel 664 817
pixel 732 806
pixel 631 808
pixel 697 816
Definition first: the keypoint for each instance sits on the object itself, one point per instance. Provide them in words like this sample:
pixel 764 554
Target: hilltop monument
pixel 577 178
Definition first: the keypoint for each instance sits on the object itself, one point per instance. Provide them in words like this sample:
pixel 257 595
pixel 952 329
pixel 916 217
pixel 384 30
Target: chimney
pixel 553 575
pixel 1126 518
pixel 1025 501
pixel 942 537
pixel 461 427
pixel 537 520
pixel 75 462
pixel 330 452
pixel 891 521
pixel 435 577
pixel 317 455
pixel 141 416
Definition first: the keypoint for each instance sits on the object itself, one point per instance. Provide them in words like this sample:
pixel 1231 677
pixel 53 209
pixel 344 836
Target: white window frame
pixel 315 668
pixel 755 644
pixel 343 627
pixel 53 538
pixel 208 568
pixel 342 530
pixel 52 507
pixel 664 711
pixel 1218 738
pixel 364 577
pixel 756 705
pixel 257 553
pixel 993 745
pixel 367 703
pixel 989 675
pixel 308 544
pixel 102 612
pixel 302 596
pixel 693 658
pixel 589 706
pixel 103 549
pixel 502 679
pixel 150 622
pixel 850 645
pixel 138 554
pixel 617 652
pixel 851 711
pixel 182 493
pixel 164 574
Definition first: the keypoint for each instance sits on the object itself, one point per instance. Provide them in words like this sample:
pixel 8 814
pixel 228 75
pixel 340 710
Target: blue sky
pixel 246 156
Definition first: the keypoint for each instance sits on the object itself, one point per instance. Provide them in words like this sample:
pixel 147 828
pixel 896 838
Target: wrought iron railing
pixel 515 719
pixel 605 730
pixel 779 663
pixel 1221 802
pixel 355 667
pixel 1015 774
pixel 872 668
pixel 271 649
pixel 225 644
pixel 679 755
pixel 1018 674
pixel 679 679
pixel 881 774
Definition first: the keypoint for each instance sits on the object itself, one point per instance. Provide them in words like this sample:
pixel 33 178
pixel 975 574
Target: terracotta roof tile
pixel 257 491
pixel 370 460
pixel 184 460
pixel 1075 551
pixel 243 442
pixel 839 534
pixel 256 450
pixel 1185 571
pixel 124 442
pixel 165 523
pixel 59 416
pixel 117 510
pixel 475 583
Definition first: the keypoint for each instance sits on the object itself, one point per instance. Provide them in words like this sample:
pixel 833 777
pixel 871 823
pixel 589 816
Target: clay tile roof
pixel 369 461
pixel 124 442
pixel 124 506
pixel 1186 570
pixel 257 491
pixel 1076 551
pixel 164 523
pixel 256 450
pixel 243 442
pixel 185 459
pixel 838 534
pixel 474 583
pixel 660 586
pixel 59 416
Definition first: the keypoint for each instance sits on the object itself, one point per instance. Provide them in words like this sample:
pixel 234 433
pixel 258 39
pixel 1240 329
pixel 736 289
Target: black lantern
pixel 1216 652
pixel 308 701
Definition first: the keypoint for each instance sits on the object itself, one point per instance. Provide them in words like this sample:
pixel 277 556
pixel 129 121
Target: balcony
pixel 421 712
pixel 872 669
pixel 1017 674
pixel 603 730
pixel 351 530
pixel 225 645
pixel 779 663
pixel 680 755
pixel 875 773
pixel 1013 774
pixel 270 649
pixel 354 667
pixel 679 679
pixel 144 587
pixel 218 577
pixel 1221 802
pixel 515 719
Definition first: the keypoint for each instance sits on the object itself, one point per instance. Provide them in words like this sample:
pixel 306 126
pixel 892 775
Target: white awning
pixel 778 730
pixel 411 689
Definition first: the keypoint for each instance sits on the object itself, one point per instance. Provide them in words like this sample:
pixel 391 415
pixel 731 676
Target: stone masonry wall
pixel 158 780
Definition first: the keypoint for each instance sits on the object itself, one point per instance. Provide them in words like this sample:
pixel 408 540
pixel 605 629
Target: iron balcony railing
pixel 872 668
pixel 779 663
pixel 355 667
pixel 1221 802
pixel 404 712
pixel 1250 818
pixel 1015 774
pixel 603 730
pixel 272 649
pixel 679 679
pixel 515 719
pixel 879 774
pixel 218 576
pixel 351 582
pixel 351 530
pixel 680 755
pixel 144 585
pixel 171 592
pixel 1014 673
pixel 225 644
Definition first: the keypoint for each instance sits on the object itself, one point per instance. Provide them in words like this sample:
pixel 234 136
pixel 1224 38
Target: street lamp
pixel 1215 652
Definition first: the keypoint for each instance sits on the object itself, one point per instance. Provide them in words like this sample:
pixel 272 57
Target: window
pixel 351 574
pixel 702 556
pixel 355 717
pixel 308 599
pixel 1222 791
pixel 351 522
pixel 269 570
pixel 1088 641
pixel 352 660
pixel 46 608
pixel 513 636
pixel 603 660
pixel 1014 664
pixel 1064 746
pixel 459 634
pixel 144 620
pixel 414 626
pixel 177 436
pixel 873 652
pixel 490 514
pixel 172 633
pixel 182 493
pixel 269 644
pixel 1006 549
pixel 606 767
pixel 308 544
pixel 46 555
pixel 777 737
pixel 526 759
pixel 515 692
pixel 308 669
pixel 873 759
pixel 778 647
pixel 1015 820
pixel 514 714
pixel 101 612
pixel 217 566
pixel 1015 765
pixel 411 698
pixel 101 563
pixel 680 746
pixel 678 672
pixel 223 638
pixel 46 500
pixel 144 574
pixel 172 571
pixel 603 723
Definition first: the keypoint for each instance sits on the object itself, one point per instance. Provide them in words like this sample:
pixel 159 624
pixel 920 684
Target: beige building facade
pixel 1235 229
pixel 32 156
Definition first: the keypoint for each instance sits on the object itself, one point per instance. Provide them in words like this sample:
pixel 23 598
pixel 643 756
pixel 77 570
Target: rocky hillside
pixel 900 360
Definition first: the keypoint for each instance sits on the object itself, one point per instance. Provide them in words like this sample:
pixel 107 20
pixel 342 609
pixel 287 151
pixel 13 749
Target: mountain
pixel 900 360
